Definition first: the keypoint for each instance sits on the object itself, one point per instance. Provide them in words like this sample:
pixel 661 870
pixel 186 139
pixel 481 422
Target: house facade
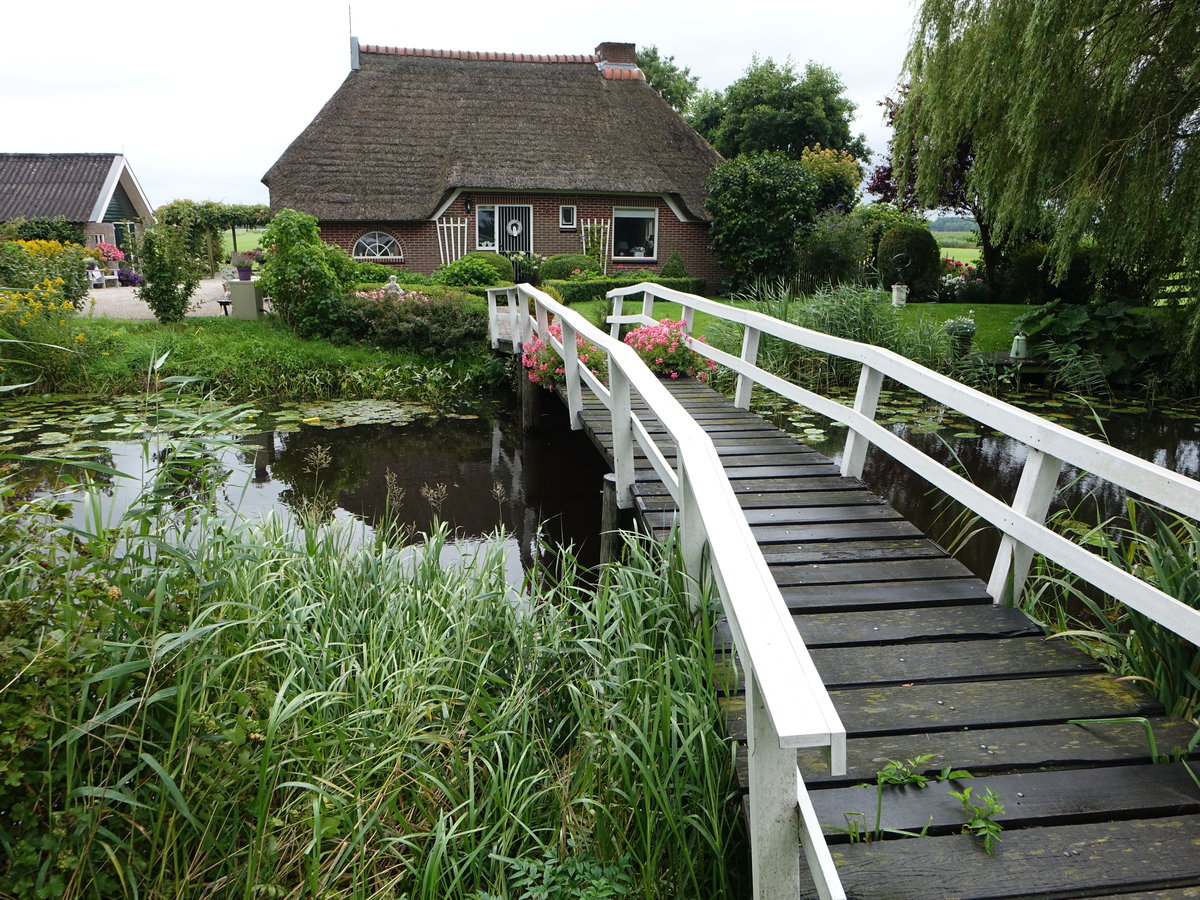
pixel 422 156
pixel 97 192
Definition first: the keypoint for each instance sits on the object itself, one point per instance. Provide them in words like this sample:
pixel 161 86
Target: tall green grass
pixel 1159 547
pixel 199 705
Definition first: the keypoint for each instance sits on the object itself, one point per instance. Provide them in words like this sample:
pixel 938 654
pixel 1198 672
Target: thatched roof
pixel 408 127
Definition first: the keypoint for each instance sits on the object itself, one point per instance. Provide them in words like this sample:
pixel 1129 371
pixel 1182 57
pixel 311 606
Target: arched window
pixel 377 245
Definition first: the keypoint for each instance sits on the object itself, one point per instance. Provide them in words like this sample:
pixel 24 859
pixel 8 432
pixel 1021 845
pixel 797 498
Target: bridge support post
pixel 866 399
pixel 774 812
pixel 530 396
pixel 610 520
pixel 1035 490
pixel 622 435
pixel 745 384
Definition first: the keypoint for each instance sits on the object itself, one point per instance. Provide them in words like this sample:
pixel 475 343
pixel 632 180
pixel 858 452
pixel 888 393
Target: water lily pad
pixel 53 437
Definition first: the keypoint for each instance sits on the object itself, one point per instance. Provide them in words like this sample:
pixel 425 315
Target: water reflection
pixel 994 462
pixel 477 474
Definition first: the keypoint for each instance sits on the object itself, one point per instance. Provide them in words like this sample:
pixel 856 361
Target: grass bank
pixel 196 706
pixel 248 360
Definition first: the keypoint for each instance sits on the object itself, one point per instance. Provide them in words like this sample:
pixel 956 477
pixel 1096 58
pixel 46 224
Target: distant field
pixel 963 254
pixel 248 239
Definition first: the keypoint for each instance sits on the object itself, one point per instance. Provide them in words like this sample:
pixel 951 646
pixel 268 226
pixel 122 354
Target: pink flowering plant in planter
pixel 545 367
pixel 662 348
pixel 110 252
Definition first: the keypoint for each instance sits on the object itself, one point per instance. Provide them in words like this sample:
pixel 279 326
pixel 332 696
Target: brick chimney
pixel 619 62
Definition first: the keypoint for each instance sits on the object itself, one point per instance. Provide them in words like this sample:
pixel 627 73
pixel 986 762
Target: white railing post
pixel 518 317
pixel 866 399
pixel 622 430
pixel 691 533
pixel 614 330
pixel 816 851
pixel 745 384
pixel 1035 490
pixel 494 321
pixel 571 375
pixel 647 304
pixel 774 813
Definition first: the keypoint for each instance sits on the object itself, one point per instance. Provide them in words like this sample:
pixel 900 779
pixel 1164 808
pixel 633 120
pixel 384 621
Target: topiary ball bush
pixel 924 267
pixel 560 266
pixel 502 264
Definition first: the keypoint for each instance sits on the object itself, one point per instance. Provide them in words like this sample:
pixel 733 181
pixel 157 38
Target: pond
pixel 337 460
pixel 1167 434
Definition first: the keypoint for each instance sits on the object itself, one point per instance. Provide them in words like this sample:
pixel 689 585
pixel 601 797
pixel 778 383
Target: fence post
pixel 647 304
pixel 614 329
pixel 691 535
pixel 1035 490
pixel 622 430
pixel 494 321
pixel 866 399
pixel 774 812
pixel 745 384
pixel 571 375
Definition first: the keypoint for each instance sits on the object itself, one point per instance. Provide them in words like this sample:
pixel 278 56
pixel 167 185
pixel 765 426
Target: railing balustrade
pixel 787 705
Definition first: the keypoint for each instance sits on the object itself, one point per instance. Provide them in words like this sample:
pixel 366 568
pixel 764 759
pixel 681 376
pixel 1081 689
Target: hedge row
pixel 580 290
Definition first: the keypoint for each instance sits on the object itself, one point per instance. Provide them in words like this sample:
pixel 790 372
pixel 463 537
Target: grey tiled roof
pixel 52 184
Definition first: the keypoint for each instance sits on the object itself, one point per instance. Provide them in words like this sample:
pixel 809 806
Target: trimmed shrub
pixel 436 326
pixel 1026 277
pixel 580 290
pixel 304 276
pixel 468 270
pixel 674 267
pixel 878 218
pixel 560 266
pixel 502 264
pixel 924 268
pixel 40 228
pixel 832 252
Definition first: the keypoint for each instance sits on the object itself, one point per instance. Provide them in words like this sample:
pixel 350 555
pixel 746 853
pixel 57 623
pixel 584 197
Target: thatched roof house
pixel 423 155
pixel 95 191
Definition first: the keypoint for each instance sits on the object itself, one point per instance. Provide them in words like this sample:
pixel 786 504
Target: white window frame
pixel 393 258
pixel 635 212
pixel 480 207
pixel 563 224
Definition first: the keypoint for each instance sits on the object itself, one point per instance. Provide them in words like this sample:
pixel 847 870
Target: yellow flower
pixel 80 337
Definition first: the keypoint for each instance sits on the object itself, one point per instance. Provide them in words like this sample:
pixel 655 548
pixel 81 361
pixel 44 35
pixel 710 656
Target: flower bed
pixel 662 348
pixel 545 367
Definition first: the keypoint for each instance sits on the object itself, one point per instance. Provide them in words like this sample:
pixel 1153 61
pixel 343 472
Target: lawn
pixel 994 320
pixel 247 239
pixel 962 254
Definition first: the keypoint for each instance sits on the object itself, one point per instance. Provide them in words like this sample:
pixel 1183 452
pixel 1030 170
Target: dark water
pixel 1166 435
pixel 480 473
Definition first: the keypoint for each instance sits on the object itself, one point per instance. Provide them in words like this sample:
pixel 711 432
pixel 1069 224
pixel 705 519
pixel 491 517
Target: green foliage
pixel 35 263
pixel 469 270
pixel 773 108
pixel 832 252
pixel 836 174
pixel 761 204
pixel 191 691
pixel 878 218
pixel 580 290
pixel 1160 547
pixel 502 264
pixel 171 269
pixel 303 275
pixel 365 270
pixel 1027 277
pixel 674 267
pixel 981 816
pixel 1127 344
pixel 433 326
pixel 674 84
pixel 40 228
pixel 1083 109
pixel 909 255
pixel 561 265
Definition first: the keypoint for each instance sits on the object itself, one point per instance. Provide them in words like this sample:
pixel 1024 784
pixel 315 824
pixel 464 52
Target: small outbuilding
pixel 97 192
pixel 424 155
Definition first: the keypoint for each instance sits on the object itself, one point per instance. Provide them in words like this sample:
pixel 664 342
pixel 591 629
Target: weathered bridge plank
pixel 921 665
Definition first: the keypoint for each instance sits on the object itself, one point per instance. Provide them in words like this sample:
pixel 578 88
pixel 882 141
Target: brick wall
pixel 419 240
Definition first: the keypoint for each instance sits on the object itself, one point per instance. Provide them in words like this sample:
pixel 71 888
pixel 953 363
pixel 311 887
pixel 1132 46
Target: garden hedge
pixel 580 290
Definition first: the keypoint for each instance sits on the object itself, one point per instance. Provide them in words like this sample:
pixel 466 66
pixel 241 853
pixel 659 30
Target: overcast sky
pixel 203 97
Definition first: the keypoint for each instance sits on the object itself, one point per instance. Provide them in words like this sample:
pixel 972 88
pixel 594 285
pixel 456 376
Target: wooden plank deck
pixel 918 661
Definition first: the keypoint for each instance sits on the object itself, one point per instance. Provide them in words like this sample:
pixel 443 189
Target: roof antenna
pixel 350 18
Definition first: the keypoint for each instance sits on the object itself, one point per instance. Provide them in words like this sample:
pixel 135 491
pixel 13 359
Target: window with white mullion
pixel 635 233
pixel 485 227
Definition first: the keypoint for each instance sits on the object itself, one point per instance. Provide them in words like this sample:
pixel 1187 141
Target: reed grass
pixel 1161 548
pixel 200 705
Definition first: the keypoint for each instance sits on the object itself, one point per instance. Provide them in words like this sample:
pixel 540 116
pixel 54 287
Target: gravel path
pixel 121 303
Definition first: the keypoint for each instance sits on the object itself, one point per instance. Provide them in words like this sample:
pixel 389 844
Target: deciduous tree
pixel 676 85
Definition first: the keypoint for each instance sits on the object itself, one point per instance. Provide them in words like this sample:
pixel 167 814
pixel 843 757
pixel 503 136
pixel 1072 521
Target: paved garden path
pixel 122 303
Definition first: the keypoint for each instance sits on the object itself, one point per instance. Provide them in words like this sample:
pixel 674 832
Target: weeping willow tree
pixel 1081 113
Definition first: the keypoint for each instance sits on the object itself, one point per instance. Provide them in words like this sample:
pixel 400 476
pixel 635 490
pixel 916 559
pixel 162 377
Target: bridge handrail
pixel 1050 445
pixel 787 704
